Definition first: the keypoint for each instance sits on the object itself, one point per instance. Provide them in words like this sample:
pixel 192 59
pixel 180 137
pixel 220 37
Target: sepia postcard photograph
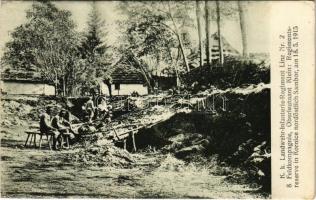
pixel 157 99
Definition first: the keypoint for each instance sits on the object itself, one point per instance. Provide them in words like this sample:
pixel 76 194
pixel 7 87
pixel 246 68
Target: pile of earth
pixel 102 153
pixel 14 113
pixel 20 111
pixel 237 139
pixel 25 110
pixel 140 119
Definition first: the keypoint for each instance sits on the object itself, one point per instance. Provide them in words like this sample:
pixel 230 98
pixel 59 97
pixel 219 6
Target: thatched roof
pixel 125 73
pixel 226 46
pixel 22 76
pixel 228 51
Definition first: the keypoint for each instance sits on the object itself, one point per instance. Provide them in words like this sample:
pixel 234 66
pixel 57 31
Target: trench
pixel 162 166
pixel 232 136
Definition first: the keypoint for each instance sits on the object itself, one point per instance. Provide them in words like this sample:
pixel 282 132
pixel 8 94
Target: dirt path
pixel 30 172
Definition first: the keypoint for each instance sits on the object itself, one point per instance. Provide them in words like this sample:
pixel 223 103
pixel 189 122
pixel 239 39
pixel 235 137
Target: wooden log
pixel 134 142
pixel 67 141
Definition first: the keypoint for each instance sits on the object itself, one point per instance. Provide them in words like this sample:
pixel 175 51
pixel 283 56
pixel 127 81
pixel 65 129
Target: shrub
pixel 233 73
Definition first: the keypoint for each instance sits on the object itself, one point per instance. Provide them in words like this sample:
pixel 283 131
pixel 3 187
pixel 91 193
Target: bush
pixel 233 73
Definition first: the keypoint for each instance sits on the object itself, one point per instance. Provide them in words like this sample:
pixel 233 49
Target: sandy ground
pixel 30 172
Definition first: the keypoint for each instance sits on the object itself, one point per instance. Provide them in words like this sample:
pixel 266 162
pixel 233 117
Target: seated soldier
pixel 65 121
pixel 47 128
pixel 58 123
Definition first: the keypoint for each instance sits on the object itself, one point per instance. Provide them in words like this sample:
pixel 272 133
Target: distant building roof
pixel 23 77
pixel 228 51
pixel 227 48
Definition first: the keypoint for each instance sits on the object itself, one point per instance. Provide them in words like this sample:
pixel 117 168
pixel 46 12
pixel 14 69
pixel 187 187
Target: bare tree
pixel 178 35
pixel 218 22
pixel 243 29
pixel 198 17
pixel 208 48
pixel 160 15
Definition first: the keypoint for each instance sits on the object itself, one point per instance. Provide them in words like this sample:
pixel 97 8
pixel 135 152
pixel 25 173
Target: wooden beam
pixel 124 144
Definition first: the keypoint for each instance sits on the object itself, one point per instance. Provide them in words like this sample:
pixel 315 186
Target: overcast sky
pixel 12 14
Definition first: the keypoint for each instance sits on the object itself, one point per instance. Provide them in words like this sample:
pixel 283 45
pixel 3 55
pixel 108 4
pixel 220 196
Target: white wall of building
pixel 27 88
pixel 125 89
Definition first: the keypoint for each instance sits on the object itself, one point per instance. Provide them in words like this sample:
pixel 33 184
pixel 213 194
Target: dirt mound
pixel 14 113
pixel 171 163
pixel 239 134
pixel 25 110
pixel 103 155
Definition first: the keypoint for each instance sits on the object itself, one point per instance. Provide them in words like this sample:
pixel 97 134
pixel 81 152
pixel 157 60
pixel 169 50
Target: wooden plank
pixel 125 144
pixel 126 135
pixel 126 125
pixel 127 131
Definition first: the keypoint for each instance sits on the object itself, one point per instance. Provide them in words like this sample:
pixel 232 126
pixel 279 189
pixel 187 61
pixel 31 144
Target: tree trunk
pixel 158 62
pixel 243 29
pixel 178 82
pixel 177 32
pixel 110 89
pixel 183 53
pixel 198 17
pixel 108 82
pixel 175 66
pixel 56 82
pixel 64 86
pixel 208 47
pixel 73 83
pixel 146 76
pixel 56 91
pixel 218 21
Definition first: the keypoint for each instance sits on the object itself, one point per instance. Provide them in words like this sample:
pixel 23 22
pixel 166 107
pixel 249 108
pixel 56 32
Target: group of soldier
pixel 58 126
